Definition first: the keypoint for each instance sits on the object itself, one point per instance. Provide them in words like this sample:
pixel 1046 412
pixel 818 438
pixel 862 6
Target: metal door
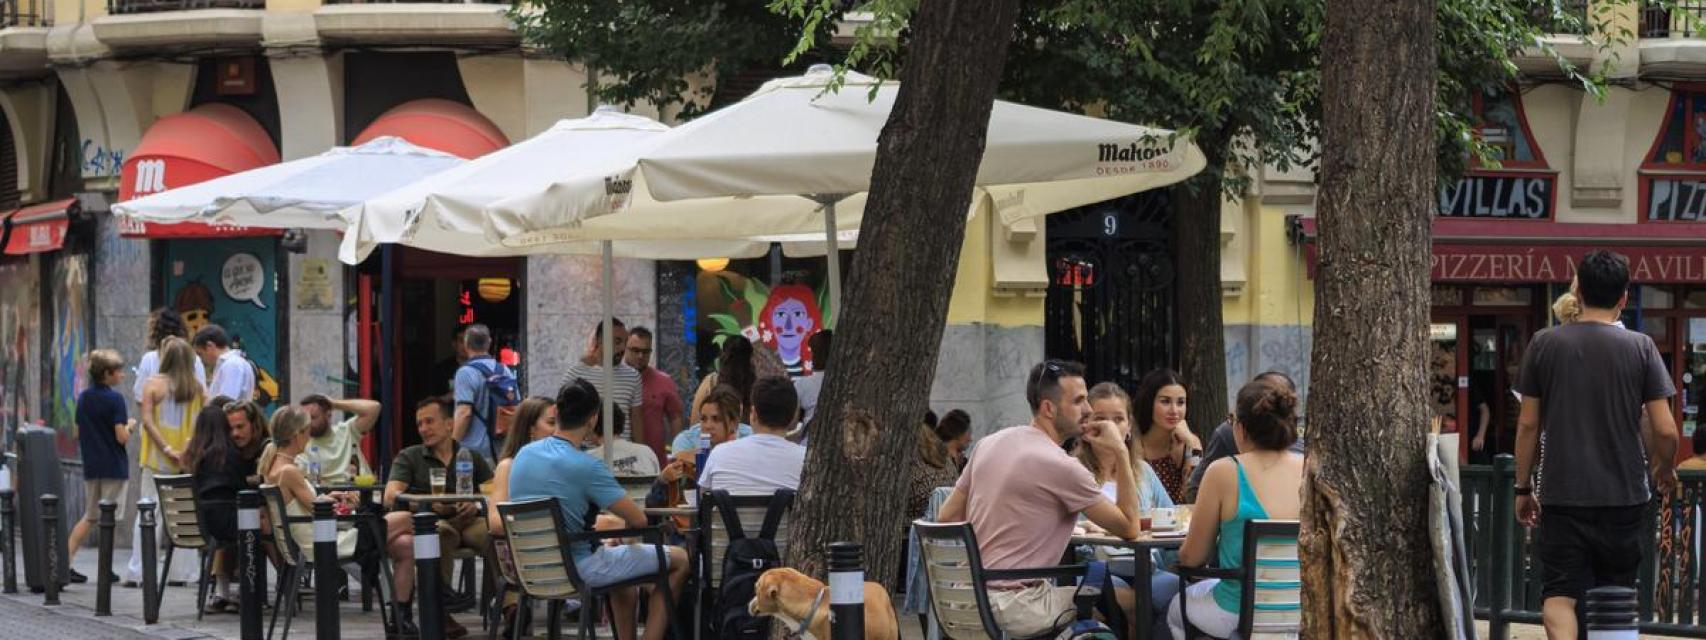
pixel 1111 287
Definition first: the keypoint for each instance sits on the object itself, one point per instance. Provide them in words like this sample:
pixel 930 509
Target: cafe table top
pixel 427 498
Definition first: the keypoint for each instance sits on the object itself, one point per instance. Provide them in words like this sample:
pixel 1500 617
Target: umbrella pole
pixel 832 239
pixel 609 348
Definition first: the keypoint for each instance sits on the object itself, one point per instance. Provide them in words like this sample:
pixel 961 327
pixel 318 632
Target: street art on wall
pixel 70 347
pixel 781 319
pixel 20 312
pixel 231 283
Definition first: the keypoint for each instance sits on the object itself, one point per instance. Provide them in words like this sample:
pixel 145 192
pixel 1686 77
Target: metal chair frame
pixel 298 563
pixel 959 534
pixel 527 540
pixel 181 517
pixel 1254 532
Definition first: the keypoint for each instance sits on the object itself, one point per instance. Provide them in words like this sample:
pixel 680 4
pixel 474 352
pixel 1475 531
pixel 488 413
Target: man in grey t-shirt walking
pixel 1585 383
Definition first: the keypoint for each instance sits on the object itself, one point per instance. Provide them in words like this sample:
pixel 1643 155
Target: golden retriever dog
pixel 787 595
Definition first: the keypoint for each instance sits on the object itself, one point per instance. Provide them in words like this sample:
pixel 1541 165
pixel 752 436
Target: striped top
pixel 1229 594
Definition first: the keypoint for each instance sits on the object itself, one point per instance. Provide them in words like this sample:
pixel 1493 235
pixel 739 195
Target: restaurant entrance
pixel 1480 335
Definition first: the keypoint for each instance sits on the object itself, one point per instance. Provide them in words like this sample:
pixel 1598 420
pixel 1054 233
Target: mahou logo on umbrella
pixel 1140 156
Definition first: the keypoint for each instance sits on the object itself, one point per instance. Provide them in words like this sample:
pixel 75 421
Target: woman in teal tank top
pixel 1262 482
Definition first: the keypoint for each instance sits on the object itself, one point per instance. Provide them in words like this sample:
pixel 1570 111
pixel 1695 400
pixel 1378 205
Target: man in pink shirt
pixel 663 415
pixel 1022 494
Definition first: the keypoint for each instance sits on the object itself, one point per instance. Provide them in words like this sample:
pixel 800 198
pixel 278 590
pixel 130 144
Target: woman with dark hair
pixel 954 429
pixel 1263 482
pixel 220 471
pixel 163 323
pixel 1164 439
pixel 736 368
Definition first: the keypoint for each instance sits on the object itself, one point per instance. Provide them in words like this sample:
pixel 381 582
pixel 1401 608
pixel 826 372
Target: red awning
pixel 436 123
pixel 39 228
pixel 182 149
pixel 1532 252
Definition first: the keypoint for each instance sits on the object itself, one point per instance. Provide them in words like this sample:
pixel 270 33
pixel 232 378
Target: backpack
pixel 1085 626
pixel 746 560
pixel 503 397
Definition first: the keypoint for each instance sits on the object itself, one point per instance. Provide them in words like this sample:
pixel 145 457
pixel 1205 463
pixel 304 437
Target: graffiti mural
pixel 232 283
pixel 781 318
pixel 70 347
pixel 20 313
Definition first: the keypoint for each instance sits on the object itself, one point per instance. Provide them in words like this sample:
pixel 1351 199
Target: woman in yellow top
pixel 170 401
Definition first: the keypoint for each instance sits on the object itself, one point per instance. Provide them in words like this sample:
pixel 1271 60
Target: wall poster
pixel 231 282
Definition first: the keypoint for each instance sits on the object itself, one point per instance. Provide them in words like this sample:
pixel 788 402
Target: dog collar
pixel 806 622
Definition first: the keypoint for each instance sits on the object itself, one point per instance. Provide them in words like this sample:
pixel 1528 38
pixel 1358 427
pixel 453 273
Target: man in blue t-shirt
pixel 555 467
pixel 103 429
pixel 473 403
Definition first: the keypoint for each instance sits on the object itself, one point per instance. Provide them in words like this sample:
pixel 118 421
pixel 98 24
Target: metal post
pixel 326 573
pixel 1612 614
pixel 427 586
pixel 8 516
pixel 1504 524
pixel 150 579
pixel 51 554
pixel 249 580
pixel 104 572
pixel 846 591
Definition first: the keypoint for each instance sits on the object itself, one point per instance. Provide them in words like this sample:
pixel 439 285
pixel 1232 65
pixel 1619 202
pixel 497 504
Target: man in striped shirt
pixel 626 393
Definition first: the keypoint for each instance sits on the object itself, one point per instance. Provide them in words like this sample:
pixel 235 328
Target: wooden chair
pixel 541 549
pixel 184 531
pixel 1273 607
pixel 954 573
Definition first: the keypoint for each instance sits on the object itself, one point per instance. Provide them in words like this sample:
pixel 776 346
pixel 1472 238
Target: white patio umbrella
pixel 792 159
pixel 445 213
pixel 307 193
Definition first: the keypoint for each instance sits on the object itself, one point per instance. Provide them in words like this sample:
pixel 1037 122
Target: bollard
pixel 326 572
pixel 249 561
pixel 52 554
pixel 7 539
pixel 846 591
pixel 1611 614
pixel 427 595
pixel 104 577
pixel 150 548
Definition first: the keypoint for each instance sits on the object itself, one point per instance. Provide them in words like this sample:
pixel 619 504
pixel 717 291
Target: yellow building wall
pixel 974 300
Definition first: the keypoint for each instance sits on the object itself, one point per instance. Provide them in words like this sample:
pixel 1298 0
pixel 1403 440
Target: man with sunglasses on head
pixel 1022 494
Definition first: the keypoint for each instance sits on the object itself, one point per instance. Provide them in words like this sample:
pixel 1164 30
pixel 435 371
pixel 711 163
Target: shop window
pixel 1694 299
pixel 1503 296
pixel 1673 177
pixel 1652 297
pixel 1514 182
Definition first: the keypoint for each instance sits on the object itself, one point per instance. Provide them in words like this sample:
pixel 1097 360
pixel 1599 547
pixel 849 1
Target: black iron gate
pixel 1111 287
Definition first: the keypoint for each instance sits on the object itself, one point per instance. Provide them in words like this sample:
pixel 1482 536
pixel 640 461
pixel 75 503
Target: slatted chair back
pixel 1273 607
pixel 953 572
pixel 178 512
pixel 280 521
pixel 544 565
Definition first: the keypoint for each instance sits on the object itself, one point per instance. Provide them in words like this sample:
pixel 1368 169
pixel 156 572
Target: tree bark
pixel 1367 563
pixel 1202 326
pixel 896 300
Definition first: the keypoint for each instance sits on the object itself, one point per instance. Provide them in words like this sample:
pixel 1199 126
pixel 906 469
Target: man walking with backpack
pixel 486 394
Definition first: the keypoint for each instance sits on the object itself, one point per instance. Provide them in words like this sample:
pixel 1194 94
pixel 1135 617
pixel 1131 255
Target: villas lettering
pixel 1130 153
pixel 1676 200
pixel 1474 196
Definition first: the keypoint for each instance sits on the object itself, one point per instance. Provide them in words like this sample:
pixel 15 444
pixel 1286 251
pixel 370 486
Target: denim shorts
pixel 611 565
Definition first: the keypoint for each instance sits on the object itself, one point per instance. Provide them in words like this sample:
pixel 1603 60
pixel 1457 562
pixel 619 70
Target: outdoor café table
pixel 366 491
pixel 1143 618
pixel 419 501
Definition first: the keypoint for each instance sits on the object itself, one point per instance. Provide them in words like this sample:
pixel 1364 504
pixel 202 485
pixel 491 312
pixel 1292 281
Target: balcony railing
pixel 1674 19
pixel 155 6
pixel 24 13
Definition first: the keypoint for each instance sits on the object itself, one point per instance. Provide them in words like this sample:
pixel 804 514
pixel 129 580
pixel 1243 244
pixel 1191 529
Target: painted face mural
pixel 790 316
pixel 194 304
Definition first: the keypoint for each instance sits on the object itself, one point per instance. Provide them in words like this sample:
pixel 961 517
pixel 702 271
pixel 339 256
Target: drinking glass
pixel 437 477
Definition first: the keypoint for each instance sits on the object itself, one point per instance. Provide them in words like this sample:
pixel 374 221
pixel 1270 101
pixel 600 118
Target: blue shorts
pixel 612 565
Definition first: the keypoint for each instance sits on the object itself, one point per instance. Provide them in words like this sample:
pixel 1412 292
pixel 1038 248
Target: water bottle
pixel 464 472
pixel 704 452
pixel 314 464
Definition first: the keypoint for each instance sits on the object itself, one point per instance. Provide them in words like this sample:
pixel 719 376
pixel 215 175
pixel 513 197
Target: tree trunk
pixel 1368 569
pixel 863 437
pixel 1202 327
